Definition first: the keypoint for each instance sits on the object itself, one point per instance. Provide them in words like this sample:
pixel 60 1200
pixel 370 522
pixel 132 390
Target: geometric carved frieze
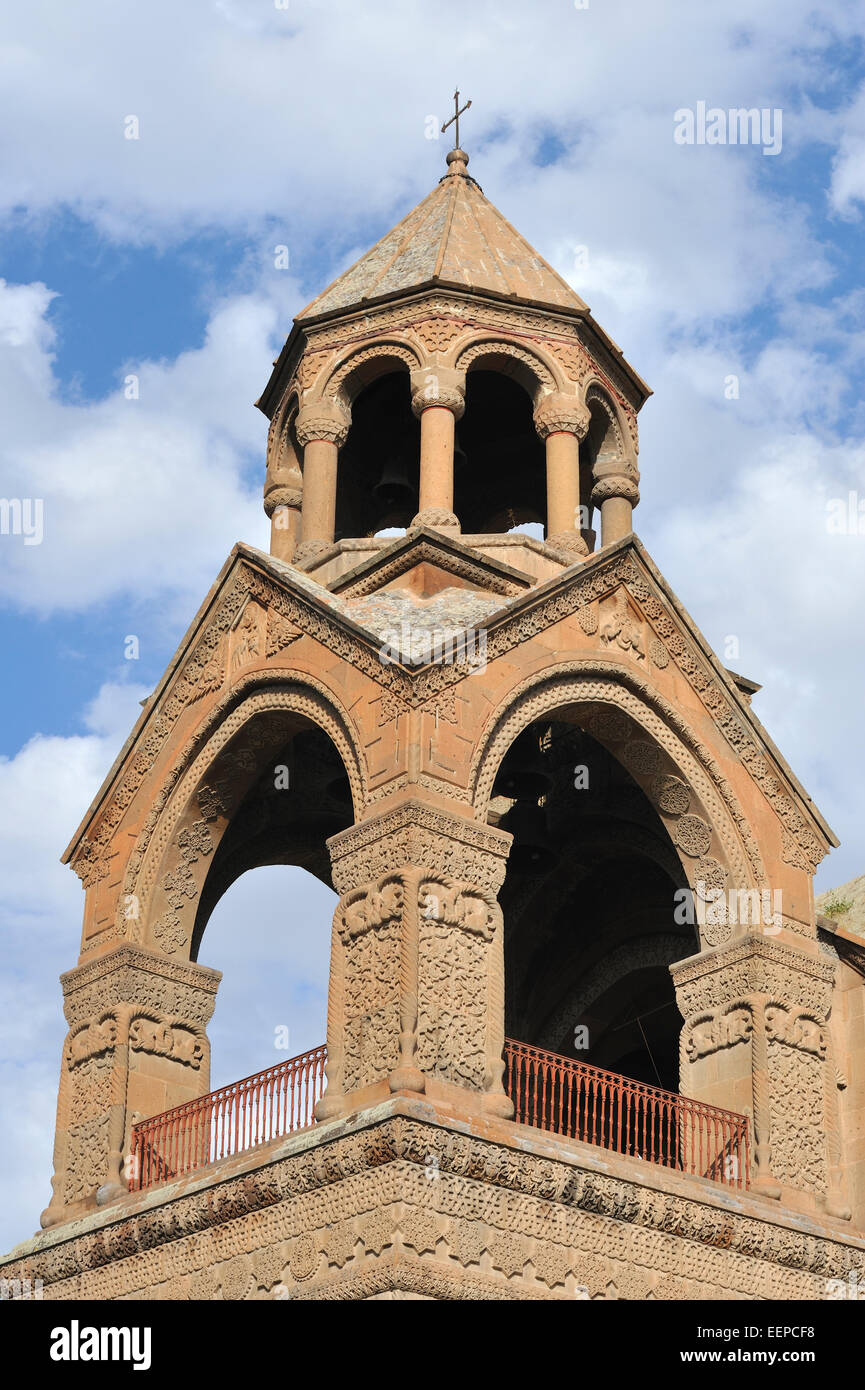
pixel 499 1220
pixel 417 834
pixel 753 966
pixel 520 619
pixel 130 974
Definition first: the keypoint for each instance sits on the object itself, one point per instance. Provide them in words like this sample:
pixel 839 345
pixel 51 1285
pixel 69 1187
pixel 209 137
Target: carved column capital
pixel 438 386
pixel 558 413
pixel 323 419
pixel 282 497
pixel 615 485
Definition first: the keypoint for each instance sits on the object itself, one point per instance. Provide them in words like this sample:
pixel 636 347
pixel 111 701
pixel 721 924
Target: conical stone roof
pixel 454 237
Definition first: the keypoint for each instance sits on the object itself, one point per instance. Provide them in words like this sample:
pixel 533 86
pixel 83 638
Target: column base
pixel 439 518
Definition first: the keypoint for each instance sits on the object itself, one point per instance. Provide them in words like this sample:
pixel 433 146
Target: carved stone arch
pixel 639 728
pixel 284 462
pixel 641 952
pixel 536 372
pixel 360 368
pixel 617 444
pixel 207 784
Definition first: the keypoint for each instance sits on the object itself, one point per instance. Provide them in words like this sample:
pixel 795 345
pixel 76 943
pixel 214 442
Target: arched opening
pixel 499 469
pixel 269 931
pixel 269 935
pixel 601 446
pixel 589 904
pixel 379 464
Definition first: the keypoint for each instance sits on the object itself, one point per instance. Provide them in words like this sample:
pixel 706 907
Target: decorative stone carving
pixel 165 1040
pixel 558 412
pixel 437 335
pixel 692 835
pixel 621 629
pixel 671 794
pixel 712 1032
pixel 587 617
pixel 323 419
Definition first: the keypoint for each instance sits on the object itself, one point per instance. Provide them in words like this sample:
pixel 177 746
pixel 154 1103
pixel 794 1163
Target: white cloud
pixel 141 497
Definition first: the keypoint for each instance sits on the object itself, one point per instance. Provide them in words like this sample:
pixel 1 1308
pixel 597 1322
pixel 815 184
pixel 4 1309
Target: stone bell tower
pixel 553 821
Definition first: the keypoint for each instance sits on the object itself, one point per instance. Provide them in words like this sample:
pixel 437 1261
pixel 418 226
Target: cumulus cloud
pixel 144 492
pixel 704 263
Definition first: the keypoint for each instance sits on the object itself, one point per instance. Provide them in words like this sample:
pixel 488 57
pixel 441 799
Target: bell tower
pixel 584 1037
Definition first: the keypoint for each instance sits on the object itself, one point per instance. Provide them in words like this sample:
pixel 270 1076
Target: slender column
pixel 283 506
pixel 562 421
pixel 438 399
pixel 617 494
pixel 322 429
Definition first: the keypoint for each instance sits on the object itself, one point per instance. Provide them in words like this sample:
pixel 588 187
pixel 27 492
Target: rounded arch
pixel 219 765
pixel 284 455
pixel 360 368
pixel 658 748
pixel 608 437
pixel 537 373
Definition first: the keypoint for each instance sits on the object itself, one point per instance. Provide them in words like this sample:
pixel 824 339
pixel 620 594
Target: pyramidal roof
pixel 455 237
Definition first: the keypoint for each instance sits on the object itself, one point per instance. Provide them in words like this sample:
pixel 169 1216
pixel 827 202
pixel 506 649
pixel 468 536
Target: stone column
pixel 616 492
pixel 322 429
pixel 283 506
pixel 136 1046
pixel 438 399
pixel 755 1041
pixel 416 998
pixel 562 421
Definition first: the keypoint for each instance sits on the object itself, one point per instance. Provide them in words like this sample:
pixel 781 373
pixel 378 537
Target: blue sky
pixel 306 127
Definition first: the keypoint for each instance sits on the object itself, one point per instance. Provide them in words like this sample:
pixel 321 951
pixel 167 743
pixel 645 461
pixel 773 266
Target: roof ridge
pixel 495 255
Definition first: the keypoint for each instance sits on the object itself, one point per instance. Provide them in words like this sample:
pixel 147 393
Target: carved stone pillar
pixel 283 506
pixel 562 421
pixel 755 1040
pixel 136 1046
pixel 438 399
pixel 416 999
pixel 322 428
pixel 616 492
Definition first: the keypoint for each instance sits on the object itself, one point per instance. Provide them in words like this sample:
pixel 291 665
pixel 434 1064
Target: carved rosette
pixel 417 979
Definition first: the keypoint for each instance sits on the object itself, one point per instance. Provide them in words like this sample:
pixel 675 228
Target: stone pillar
pixel 283 487
pixel 416 997
pixel 562 421
pixel 322 429
pixel 283 506
pixel 438 399
pixel 755 1041
pixel 136 1046
pixel 616 492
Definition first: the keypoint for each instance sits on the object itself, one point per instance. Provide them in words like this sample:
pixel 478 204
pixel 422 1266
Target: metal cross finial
pixel 458 111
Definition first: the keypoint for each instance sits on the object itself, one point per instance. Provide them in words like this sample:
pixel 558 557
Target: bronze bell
pixel 393 489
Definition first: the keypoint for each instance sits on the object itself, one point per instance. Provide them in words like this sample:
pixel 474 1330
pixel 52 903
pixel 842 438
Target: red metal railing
pixel 583 1102
pixel 549 1092
pixel 227 1121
